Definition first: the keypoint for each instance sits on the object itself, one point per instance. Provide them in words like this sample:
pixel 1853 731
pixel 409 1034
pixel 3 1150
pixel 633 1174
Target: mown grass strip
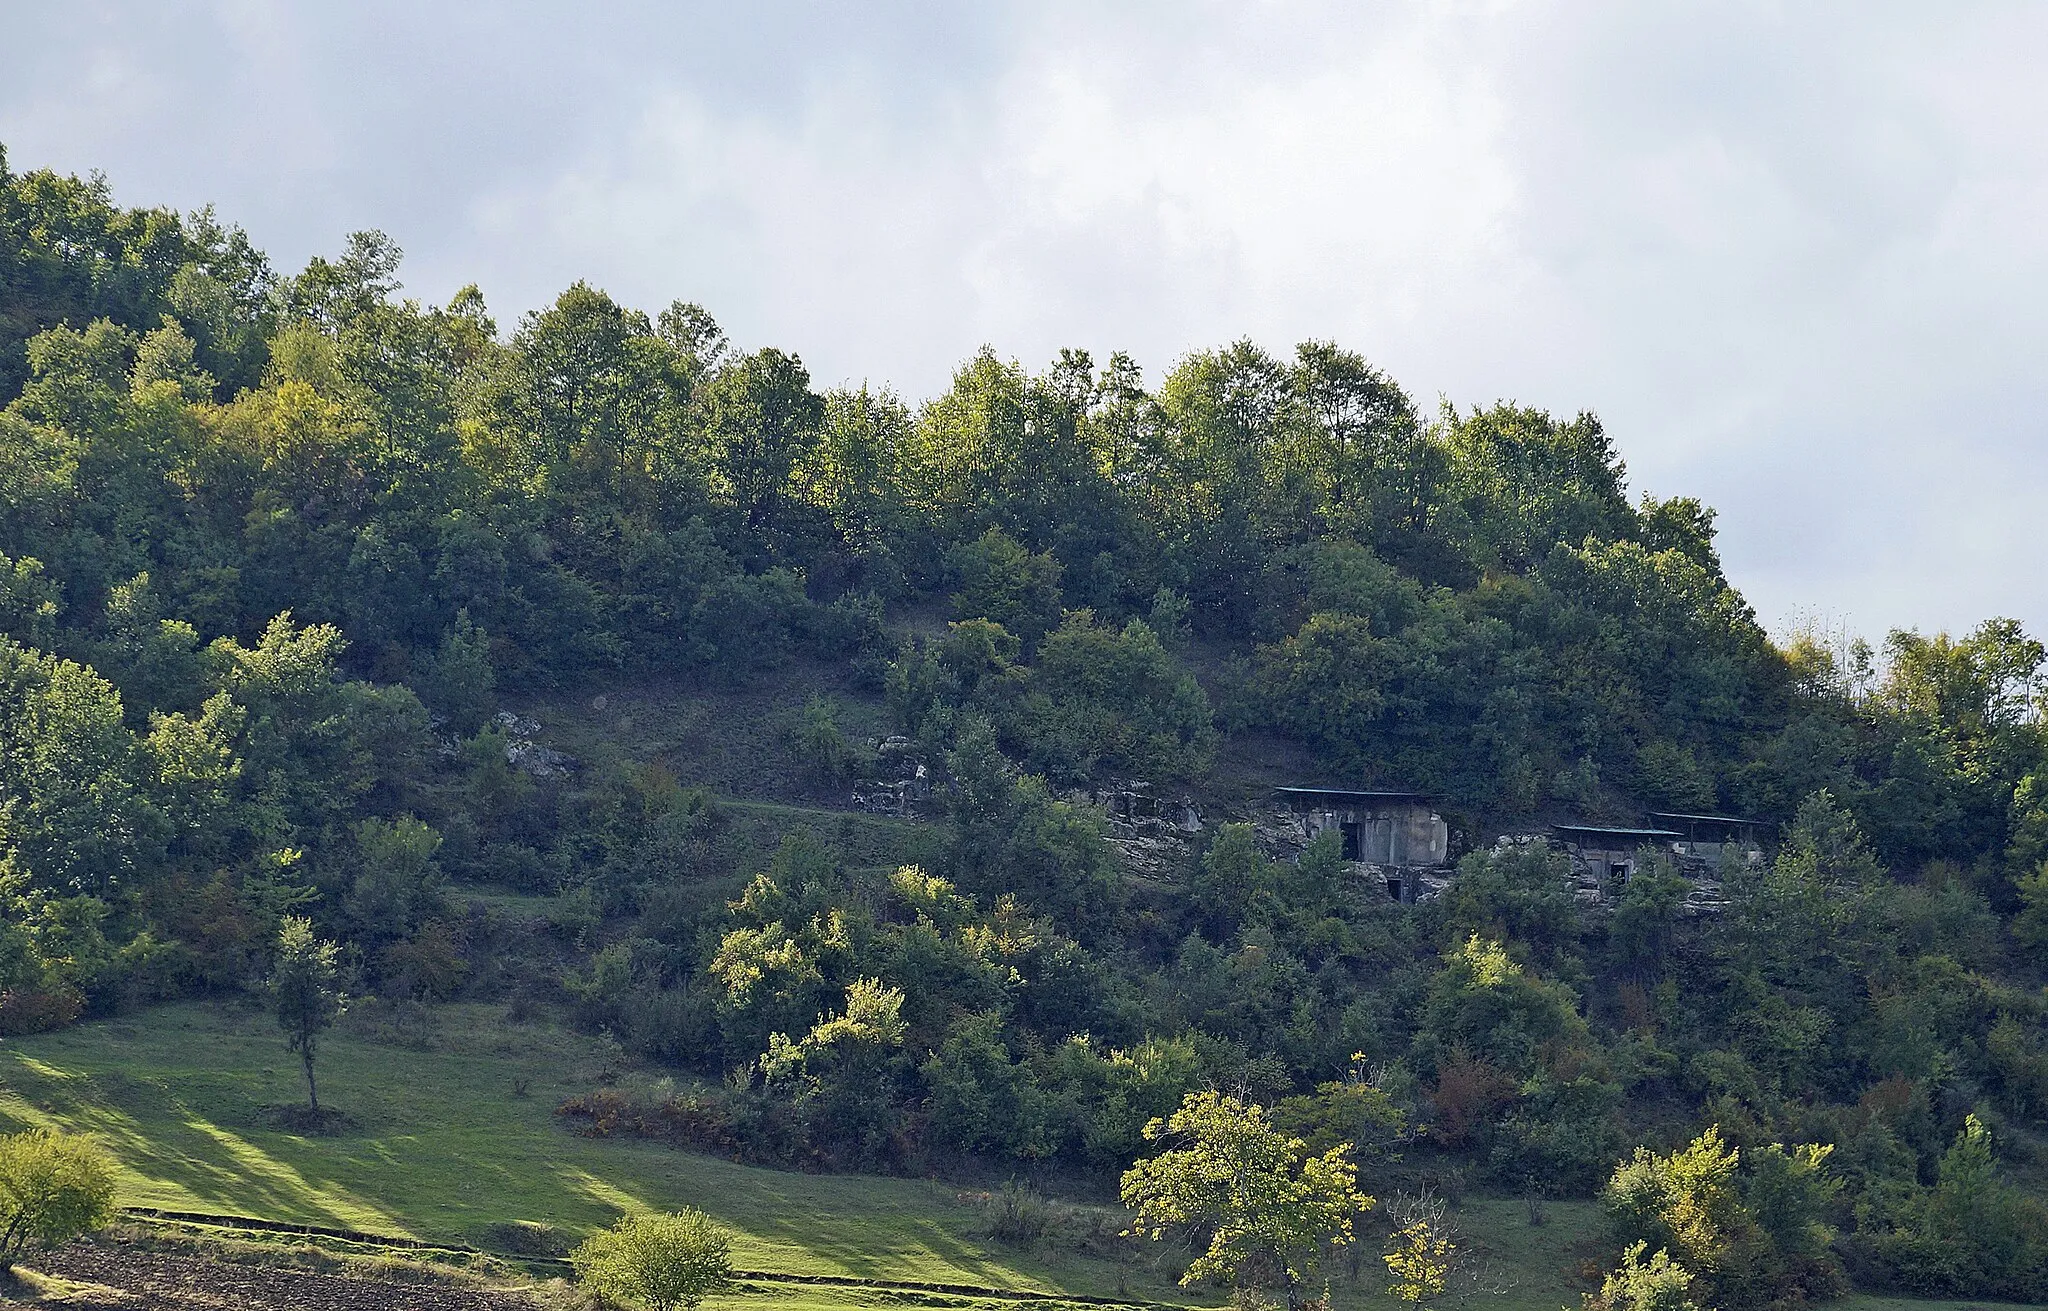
pixel 395 1242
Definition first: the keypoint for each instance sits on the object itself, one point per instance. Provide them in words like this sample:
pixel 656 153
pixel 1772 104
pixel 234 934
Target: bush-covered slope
pixel 275 549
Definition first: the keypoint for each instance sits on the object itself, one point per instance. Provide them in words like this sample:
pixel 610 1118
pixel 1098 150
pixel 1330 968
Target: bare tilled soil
pixel 138 1280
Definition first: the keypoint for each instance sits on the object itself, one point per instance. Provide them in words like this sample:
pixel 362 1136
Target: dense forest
pixel 276 548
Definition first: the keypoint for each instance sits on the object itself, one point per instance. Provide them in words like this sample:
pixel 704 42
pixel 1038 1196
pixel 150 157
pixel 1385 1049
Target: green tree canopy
pixel 302 986
pixel 669 1261
pixel 1265 1215
pixel 54 1187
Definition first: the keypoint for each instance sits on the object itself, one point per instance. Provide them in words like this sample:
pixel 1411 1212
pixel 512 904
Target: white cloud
pixel 1792 254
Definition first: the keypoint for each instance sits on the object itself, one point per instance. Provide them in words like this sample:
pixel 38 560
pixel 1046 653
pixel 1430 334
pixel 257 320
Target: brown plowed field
pixel 148 1280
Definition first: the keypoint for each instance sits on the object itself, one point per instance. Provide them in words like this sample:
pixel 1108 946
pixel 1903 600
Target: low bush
pixel 662 1261
pixel 53 1188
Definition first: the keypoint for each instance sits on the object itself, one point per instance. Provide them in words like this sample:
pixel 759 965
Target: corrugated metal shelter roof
pixel 1354 794
pixel 1628 834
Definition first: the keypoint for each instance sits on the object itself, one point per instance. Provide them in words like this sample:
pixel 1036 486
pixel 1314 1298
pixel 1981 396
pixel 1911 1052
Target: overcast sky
pixel 1793 254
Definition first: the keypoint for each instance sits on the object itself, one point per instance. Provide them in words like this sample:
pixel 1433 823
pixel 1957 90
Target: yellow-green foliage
pixel 1656 1284
pixel 1419 1261
pixel 53 1187
pixel 1270 1215
pixel 1747 1234
pixel 660 1260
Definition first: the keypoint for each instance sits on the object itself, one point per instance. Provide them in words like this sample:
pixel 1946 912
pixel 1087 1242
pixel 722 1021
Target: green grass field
pixel 454 1131
pixel 445 1143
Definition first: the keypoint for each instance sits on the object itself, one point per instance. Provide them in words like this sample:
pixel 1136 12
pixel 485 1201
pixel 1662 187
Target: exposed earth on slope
pixel 128 1279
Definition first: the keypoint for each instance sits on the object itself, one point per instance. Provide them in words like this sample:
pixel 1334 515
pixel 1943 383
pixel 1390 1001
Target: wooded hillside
pixel 275 549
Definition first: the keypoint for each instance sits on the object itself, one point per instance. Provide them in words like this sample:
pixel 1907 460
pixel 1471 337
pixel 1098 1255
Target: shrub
pixel 1002 581
pixel 53 1187
pixel 1656 1284
pixel 820 742
pixel 1745 1236
pixel 1018 1215
pixel 1110 701
pixel 659 1260
pixel 1971 1235
pixel 33 1010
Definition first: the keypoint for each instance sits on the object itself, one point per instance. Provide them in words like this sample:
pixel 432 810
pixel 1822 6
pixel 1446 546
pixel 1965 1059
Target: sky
pixel 1793 254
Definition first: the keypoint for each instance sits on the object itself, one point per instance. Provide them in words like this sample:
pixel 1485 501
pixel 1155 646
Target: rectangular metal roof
pixel 1355 794
pixel 1704 819
pixel 1597 831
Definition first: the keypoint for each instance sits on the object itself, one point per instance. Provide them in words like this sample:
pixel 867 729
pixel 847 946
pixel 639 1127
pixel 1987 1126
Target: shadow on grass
pixel 183 1097
pixel 841 1224
pixel 194 1156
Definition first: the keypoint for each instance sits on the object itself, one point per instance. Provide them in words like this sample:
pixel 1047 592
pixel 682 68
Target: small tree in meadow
pixel 1267 1211
pixel 303 988
pixel 53 1187
pixel 1428 1260
pixel 662 1261
pixel 1421 1252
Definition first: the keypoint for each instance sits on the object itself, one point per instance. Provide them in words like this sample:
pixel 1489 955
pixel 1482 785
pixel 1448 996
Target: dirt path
pixel 146 1281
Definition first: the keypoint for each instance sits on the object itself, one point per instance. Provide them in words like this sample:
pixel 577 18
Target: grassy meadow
pixel 452 1131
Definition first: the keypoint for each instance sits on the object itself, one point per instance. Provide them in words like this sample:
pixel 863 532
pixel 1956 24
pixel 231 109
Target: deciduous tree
pixel 302 986
pixel 1228 1178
